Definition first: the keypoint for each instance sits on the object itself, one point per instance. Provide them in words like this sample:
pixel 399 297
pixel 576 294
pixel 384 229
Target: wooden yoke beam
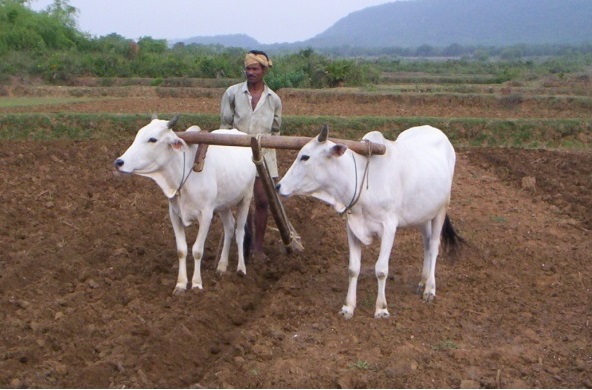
pixel 273 142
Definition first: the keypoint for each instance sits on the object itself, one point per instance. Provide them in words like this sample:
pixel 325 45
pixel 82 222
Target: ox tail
pixel 451 239
pixel 247 242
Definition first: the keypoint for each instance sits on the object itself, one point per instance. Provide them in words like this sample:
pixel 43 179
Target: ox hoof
pixel 179 290
pixel 346 312
pixel 220 270
pixel 420 289
pixel 241 272
pixel 197 287
pixel 383 313
pixel 429 297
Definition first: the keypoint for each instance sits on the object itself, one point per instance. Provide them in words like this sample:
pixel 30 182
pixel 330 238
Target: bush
pixel 60 67
pixel 276 79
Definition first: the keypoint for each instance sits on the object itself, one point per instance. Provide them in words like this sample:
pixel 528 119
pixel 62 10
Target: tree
pixel 151 45
pixel 22 29
pixel 63 12
pixel 426 51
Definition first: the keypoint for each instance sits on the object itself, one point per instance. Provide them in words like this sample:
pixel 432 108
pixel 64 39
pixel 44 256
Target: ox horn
pixel 323 135
pixel 173 121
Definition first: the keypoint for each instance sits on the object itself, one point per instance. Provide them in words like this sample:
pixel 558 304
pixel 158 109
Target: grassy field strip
pixel 429 93
pixel 530 133
pixel 26 101
pixel 529 91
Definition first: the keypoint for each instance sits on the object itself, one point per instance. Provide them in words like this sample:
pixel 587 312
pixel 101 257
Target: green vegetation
pixel 487 70
pixel 445 345
pixel 499 219
pixel 532 133
pixel 37 101
pixel 47 45
pixel 360 365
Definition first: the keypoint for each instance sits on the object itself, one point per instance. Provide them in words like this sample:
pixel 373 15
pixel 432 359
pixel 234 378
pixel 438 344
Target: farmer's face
pixel 255 73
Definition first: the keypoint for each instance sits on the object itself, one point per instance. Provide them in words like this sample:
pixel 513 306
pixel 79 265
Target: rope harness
pixel 357 193
pixel 261 160
pixel 183 179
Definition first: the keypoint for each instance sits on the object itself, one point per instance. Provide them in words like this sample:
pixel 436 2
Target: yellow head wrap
pixel 252 58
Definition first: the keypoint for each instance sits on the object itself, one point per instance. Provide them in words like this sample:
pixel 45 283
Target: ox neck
pixel 174 176
pixel 358 184
pixel 184 175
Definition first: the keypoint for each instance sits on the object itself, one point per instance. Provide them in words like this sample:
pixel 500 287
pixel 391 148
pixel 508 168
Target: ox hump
pixel 194 128
pixel 229 131
pixel 375 136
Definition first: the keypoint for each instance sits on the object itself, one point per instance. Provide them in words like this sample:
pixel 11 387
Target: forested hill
pixel 413 23
pixel 441 23
pixel 238 40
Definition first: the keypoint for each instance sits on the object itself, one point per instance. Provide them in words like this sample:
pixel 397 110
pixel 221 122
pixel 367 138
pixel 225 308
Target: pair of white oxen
pixel 410 185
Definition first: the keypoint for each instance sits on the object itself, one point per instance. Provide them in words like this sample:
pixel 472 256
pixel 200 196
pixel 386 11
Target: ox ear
pixel 173 122
pixel 338 150
pixel 324 133
pixel 176 143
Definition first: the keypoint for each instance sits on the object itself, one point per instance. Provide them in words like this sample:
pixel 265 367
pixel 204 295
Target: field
pixel 88 261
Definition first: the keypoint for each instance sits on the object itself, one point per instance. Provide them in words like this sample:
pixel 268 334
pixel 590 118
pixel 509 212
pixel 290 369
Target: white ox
pixel 225 181
pixel 409 185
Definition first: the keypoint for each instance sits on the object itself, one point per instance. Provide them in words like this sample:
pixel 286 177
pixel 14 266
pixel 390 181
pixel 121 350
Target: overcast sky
pixel 267 21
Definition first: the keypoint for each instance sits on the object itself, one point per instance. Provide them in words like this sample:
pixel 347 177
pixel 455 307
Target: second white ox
pixel 225 181
pixel 409 185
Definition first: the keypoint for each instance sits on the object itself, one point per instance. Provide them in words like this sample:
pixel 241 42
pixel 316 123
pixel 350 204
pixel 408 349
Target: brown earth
pixel 88 266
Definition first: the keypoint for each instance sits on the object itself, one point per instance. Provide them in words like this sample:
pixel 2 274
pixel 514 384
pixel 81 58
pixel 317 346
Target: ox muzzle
pixel 118 163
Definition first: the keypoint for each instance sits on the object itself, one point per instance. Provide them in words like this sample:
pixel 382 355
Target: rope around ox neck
pixel 183 178
pixel 357 193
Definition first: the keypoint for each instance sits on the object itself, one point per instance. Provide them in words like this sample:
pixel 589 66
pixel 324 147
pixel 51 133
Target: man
pixel 252 107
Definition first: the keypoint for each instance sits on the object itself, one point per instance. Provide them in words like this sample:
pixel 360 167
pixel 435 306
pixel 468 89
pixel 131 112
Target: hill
pixel 238 40
pixel 440 23
pixel 464 22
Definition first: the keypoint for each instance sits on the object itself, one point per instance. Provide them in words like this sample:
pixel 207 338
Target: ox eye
pixel 152 140
pixel 304 157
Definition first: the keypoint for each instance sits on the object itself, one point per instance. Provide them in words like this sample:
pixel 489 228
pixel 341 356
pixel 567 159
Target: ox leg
pixel 181 243
pixel 426 234
pixel 228 223
pixel 204 220
pixel 241 219
pixel 433 247
pixel 381 269
pixel 355 263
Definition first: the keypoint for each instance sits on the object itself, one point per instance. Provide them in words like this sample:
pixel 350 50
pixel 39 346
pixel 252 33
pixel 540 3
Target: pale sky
pixel 267 21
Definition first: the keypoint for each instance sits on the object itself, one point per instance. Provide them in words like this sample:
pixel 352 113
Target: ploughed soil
pixel 88 266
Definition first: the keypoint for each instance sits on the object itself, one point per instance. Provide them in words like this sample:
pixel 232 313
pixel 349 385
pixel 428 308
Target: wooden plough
pixel 289 237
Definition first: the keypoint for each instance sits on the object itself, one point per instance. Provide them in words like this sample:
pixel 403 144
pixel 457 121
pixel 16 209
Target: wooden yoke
pixel 289 237
pixel 273 142
pixel 200 156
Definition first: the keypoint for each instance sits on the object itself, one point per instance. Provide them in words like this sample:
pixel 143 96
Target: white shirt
pixel 236 112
